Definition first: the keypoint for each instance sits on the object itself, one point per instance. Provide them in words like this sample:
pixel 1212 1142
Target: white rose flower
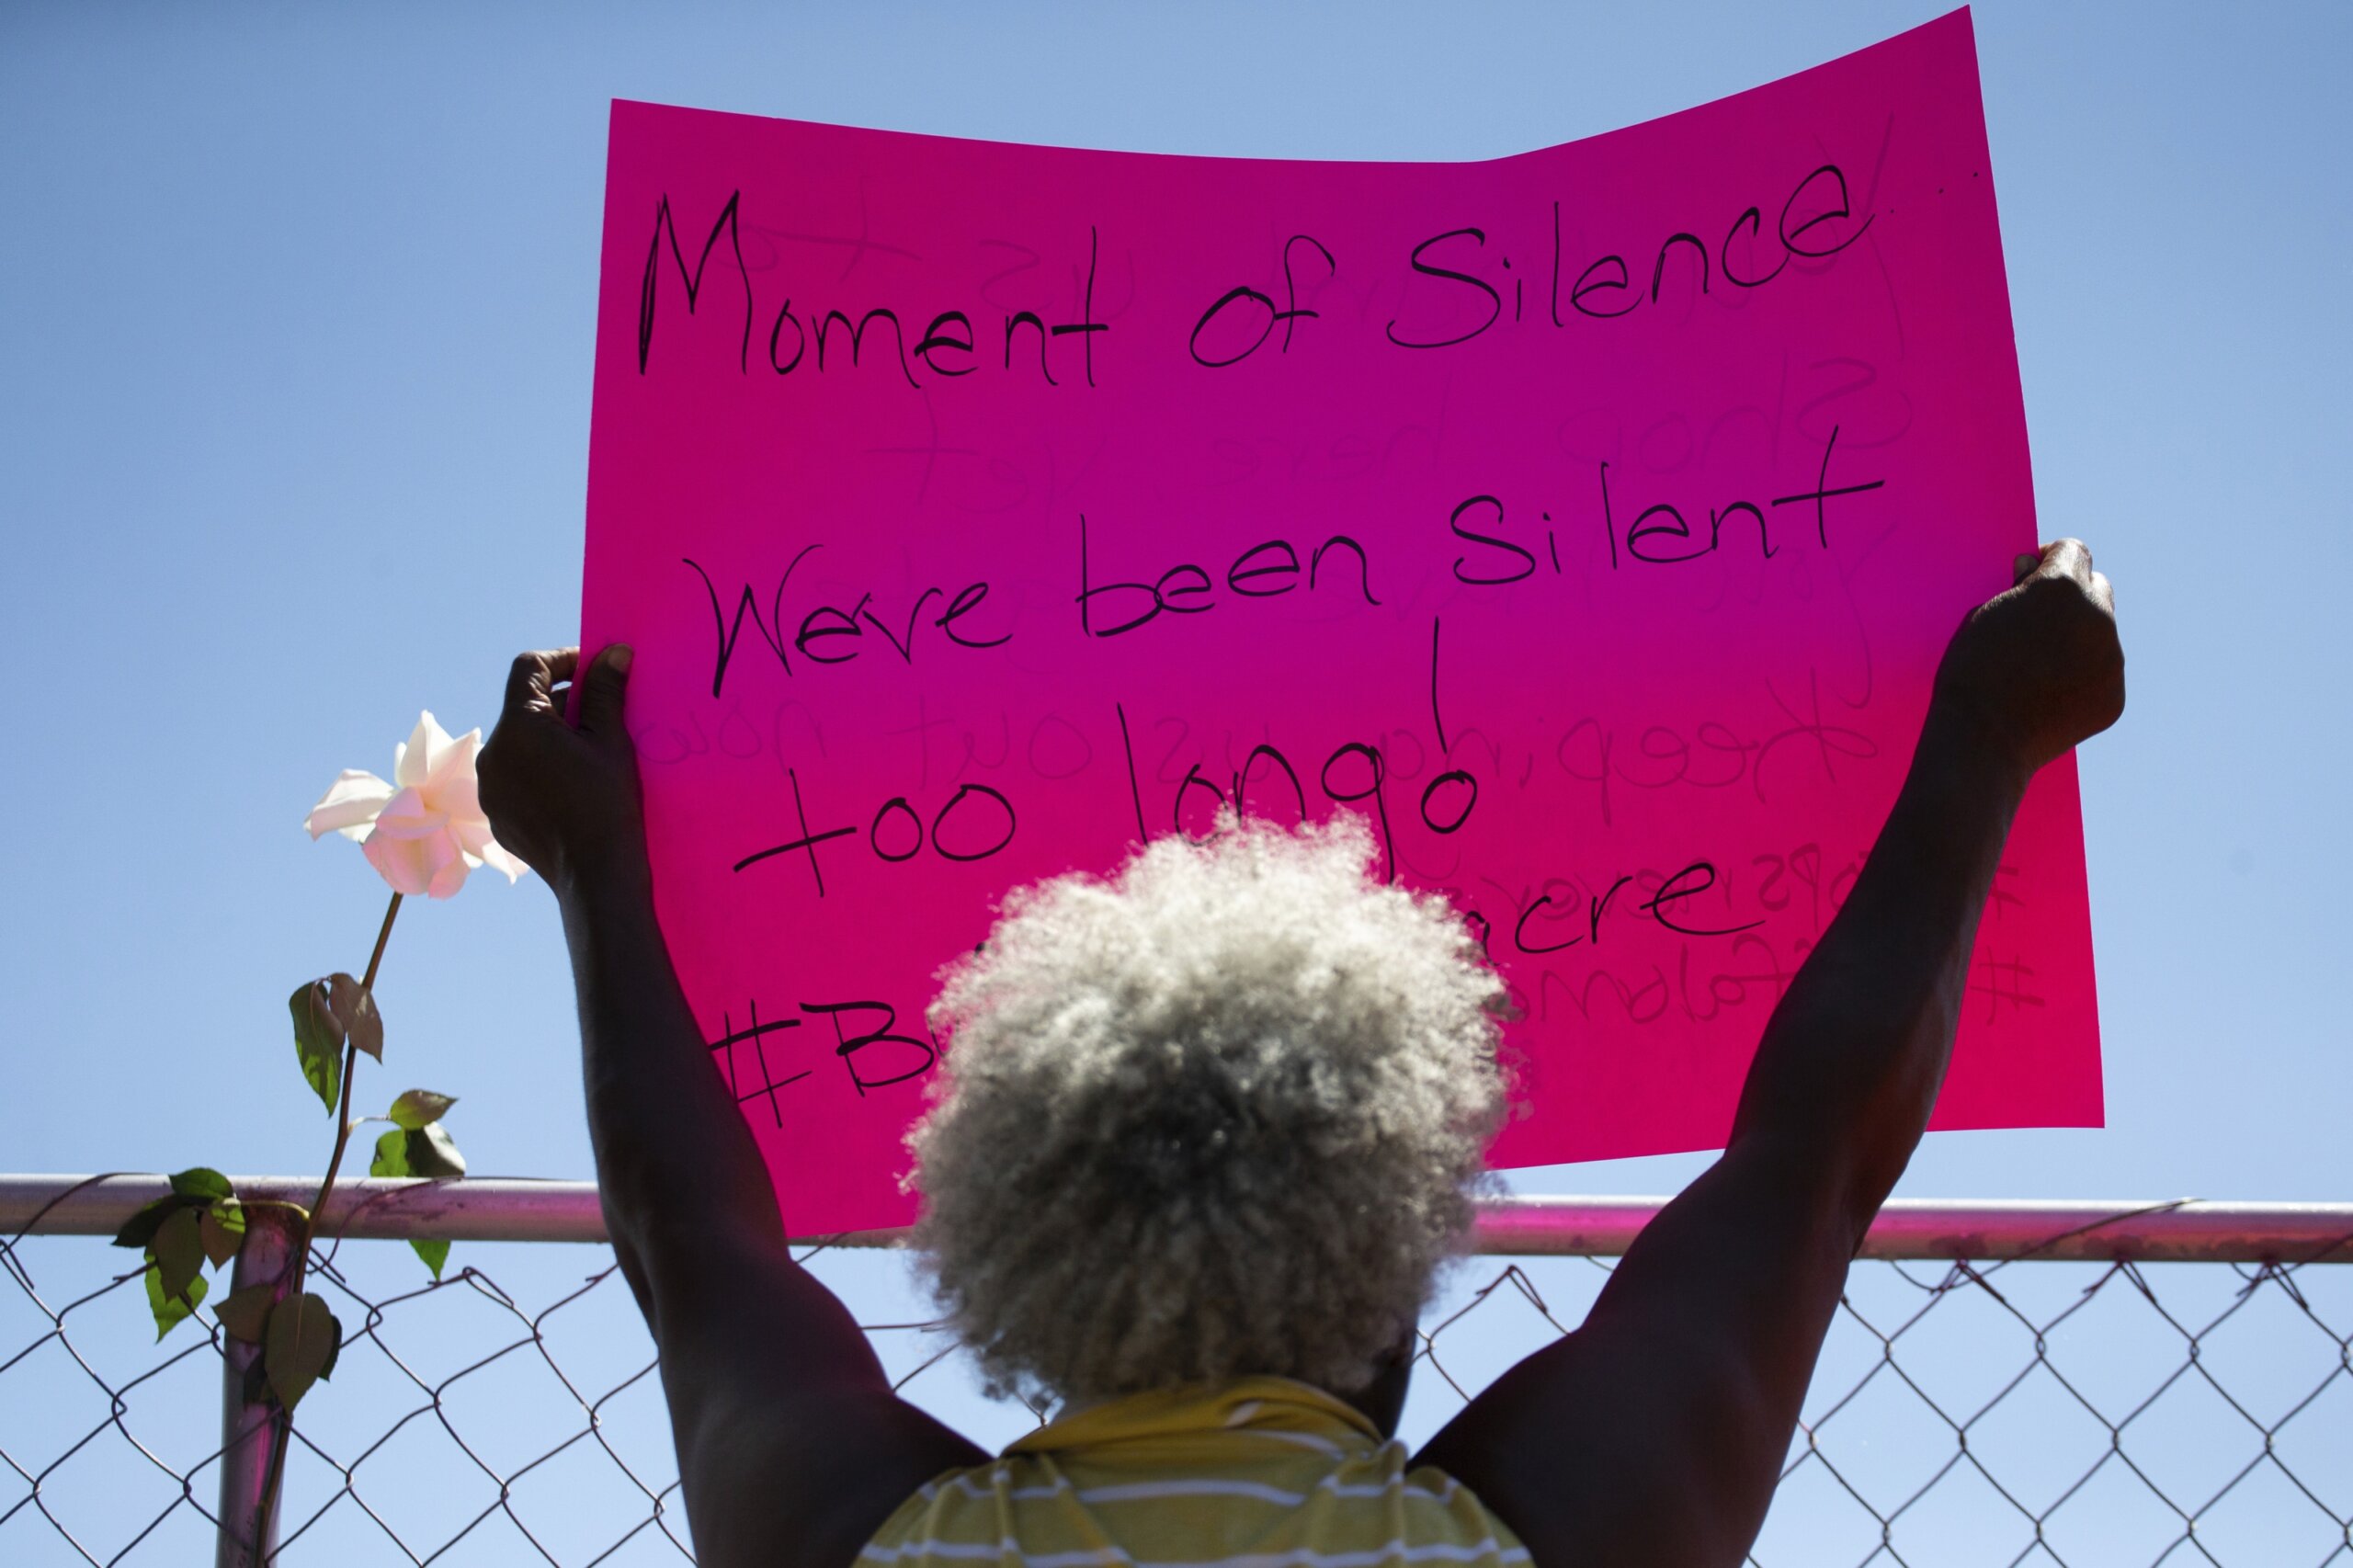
pixel 425 830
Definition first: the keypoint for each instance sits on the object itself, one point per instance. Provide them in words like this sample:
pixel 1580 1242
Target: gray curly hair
pixel 1220 1113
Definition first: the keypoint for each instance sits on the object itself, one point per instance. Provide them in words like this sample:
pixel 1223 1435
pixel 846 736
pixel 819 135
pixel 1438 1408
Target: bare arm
pixel 791 1446
pixel 1654 1433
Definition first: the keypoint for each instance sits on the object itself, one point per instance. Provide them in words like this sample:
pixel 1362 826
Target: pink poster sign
pixel 1589 521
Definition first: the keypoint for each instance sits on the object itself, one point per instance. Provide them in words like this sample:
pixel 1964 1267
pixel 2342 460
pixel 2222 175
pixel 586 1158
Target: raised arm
pixel 1654 1433
pixel 791 1446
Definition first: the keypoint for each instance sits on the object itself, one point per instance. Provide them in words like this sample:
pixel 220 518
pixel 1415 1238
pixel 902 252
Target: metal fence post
pixel 250 1427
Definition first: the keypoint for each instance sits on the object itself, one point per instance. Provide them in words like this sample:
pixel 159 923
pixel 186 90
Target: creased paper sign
pixel 1590 521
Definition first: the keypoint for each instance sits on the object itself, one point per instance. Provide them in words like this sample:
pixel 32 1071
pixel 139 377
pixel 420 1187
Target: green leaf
pixel 420 1108
pixel 392 1155
pixel 354 1009
pixel 318 1041
pixel 170 1310
pixel 335 1349
pixel 203 1184
pixel 299 1343
pixel 222 1230
pixel 178 1253
pixel 139 1231
pixel 432 1152
pixel 246 1313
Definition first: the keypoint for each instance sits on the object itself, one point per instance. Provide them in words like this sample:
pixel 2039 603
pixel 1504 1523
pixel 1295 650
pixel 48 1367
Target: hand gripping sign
pixel 1589 521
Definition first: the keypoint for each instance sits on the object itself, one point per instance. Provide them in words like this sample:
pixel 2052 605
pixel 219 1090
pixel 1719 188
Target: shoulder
pixel 942 1509
pixel 814 1490
pixel 1013 1511
pixel 1436 1508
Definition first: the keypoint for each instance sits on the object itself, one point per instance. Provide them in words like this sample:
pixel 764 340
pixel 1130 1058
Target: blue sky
pixel 295 425
pixel 294 421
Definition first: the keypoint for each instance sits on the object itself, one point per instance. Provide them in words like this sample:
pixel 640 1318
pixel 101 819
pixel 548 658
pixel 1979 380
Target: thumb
pixel 601 690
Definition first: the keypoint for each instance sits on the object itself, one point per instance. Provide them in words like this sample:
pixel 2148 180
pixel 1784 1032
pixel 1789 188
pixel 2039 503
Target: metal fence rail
pixel 2074 1383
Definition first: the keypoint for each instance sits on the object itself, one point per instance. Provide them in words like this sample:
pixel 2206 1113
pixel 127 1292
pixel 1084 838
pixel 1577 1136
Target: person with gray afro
pixel 1211 1127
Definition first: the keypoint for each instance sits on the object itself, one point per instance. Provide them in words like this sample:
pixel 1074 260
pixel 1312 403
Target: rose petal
pixel 407 815
pixel 450 782
pixel 451 874
pixel 474 836
pixel 406 863
pixel 471 833
pixel 499 858
pixel 456 793
pixel 413 762
pixel 350 804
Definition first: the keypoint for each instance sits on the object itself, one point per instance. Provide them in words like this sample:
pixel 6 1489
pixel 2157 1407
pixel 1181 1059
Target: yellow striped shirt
pixel 1264 1473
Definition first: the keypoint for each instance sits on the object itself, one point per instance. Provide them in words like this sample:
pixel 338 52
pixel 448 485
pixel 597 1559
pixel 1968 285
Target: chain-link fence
pixel 2067 1397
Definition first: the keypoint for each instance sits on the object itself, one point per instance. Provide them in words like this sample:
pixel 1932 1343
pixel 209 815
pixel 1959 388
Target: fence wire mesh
pixel 2029 1412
